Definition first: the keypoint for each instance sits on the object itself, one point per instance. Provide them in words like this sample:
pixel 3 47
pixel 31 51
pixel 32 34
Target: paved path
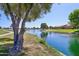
pixel 6 34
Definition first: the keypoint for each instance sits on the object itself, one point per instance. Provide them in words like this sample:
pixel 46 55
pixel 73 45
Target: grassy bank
pixel 38 47
pixel 3 31
pixel 5 43
pixel 33 46
pixel 54 51
pixel 61 30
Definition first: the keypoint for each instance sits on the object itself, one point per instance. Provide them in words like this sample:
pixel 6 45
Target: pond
pixel 66 43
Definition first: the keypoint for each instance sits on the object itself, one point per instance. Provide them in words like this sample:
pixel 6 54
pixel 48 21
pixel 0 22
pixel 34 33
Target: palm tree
pixel 19 13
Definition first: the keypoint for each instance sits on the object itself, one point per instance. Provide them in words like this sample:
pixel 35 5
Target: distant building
pixel 67 26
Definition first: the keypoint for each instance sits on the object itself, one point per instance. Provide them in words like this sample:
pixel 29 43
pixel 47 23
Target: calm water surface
pixel 66 43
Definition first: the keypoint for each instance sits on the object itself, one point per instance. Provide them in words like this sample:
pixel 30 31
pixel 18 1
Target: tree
pixel 44 26
pixel 19 15
pixel 50 27
pixel 0 27
pixel 74 18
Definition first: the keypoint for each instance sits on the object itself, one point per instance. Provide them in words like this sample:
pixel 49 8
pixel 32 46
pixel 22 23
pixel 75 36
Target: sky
pixel 56 17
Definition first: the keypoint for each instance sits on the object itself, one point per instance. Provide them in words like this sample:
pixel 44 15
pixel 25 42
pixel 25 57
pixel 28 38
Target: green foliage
pixel 74 18
pixel 19 9
pixel 76 32
pixel 44 34
pixel 42 41
pixel 44 26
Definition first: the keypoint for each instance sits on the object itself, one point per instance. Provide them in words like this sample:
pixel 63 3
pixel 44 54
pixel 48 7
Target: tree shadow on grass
pixel 5 39
pixel 4 48
pixel 5 45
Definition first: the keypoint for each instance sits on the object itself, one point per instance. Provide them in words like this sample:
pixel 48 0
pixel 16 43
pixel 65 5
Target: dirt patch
pixel 32 48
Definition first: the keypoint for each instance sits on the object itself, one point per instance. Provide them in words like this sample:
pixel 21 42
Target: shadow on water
pixel 74 45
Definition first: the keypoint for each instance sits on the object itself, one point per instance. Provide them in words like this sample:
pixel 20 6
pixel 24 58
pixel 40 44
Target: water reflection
pixel 44 34
pixel 66 43
pixel 50 33
pixel 74 45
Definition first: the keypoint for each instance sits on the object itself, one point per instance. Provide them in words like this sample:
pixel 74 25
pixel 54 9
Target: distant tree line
pixel 62 27
pixel 45 26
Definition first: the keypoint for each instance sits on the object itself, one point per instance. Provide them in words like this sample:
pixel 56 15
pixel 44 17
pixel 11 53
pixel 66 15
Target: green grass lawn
pixel 5 42
pixel 3 31
pixel 61 30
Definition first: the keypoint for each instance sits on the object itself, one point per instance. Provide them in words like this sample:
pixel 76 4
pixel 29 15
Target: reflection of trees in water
pixel 50 33
pixel 74 45
pixel 44 34
pixel 33 30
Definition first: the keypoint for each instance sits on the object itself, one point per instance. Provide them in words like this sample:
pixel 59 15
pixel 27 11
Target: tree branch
pixel 24 20
pixel 19 15
pixel 11 14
